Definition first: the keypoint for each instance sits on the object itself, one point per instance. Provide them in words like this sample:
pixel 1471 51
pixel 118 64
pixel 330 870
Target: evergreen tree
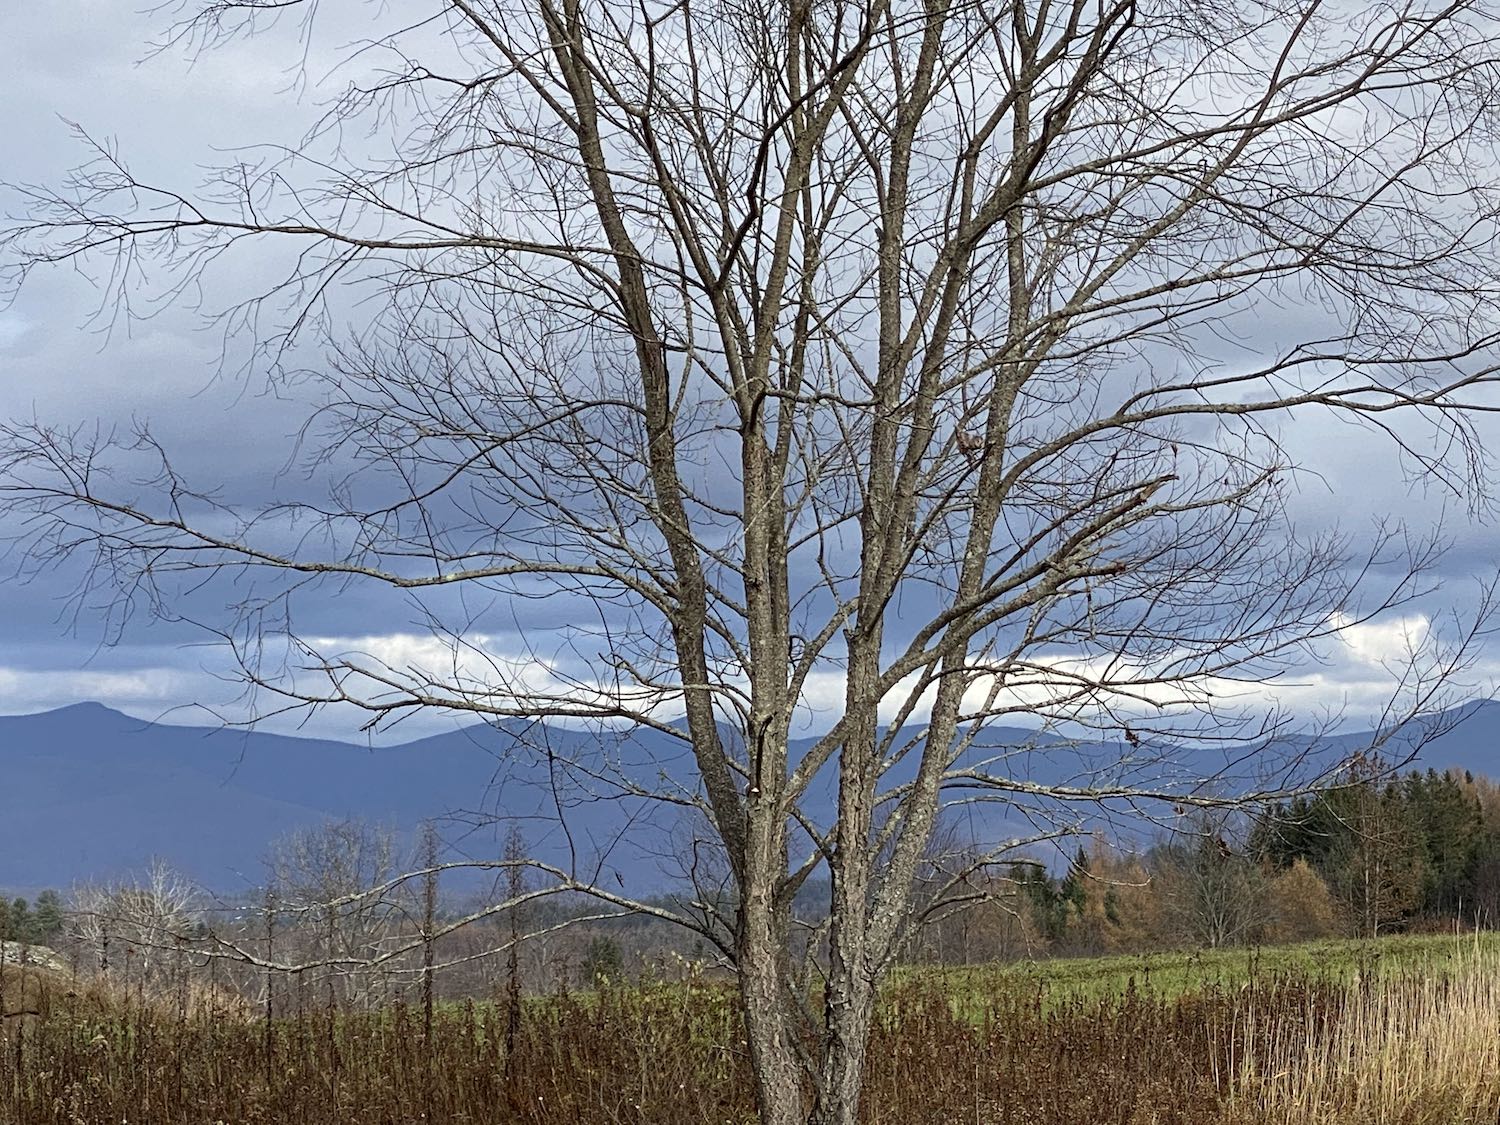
pixel 20 920
pixel 1305 828
pixel 1074 889
pixel 603 963
pixel 1451 825
pixel 1377 870
pixel 46 918
pixel 1418 844
pixel 1040 893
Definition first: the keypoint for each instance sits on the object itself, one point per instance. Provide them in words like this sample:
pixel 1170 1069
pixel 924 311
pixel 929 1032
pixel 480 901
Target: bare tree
pixel 896 367
pixel 322 875
pixel 1216 894
pixel 138 925
pixel 1378 859
pixel 967 908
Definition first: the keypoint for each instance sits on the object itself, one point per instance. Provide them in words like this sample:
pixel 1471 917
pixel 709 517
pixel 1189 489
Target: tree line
pixel 1421 846
pixel 37 923
pixel 1378 854
pixel 1375 855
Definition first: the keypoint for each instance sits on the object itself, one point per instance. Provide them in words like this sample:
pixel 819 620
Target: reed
pixel 1410 1049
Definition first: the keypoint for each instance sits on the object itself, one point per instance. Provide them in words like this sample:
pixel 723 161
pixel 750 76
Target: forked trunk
pixel 844 1062
pixel 779 1075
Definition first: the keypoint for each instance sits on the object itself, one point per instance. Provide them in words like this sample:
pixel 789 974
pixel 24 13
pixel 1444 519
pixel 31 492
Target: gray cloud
pixel 81 61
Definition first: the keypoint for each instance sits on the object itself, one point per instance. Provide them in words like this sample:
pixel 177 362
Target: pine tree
pixel 1306 828
pixel 1378 866
pixel 1451 824
pixel 20 923
pixel 46 918
pixel 1074 888
pixel 1042 896
pixel 603 964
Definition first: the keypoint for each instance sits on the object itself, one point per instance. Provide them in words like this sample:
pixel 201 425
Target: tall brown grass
pixel 1410 1050
pixel 1424 1051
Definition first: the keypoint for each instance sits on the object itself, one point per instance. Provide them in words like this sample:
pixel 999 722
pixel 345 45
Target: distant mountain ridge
pixel 86 791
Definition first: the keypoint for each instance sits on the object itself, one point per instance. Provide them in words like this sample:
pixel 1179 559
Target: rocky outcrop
pixel 31 977
pixel 16 954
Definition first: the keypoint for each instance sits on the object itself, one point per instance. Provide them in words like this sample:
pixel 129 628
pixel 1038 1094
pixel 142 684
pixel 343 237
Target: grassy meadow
pixel 1168 974
pixel 1404 1030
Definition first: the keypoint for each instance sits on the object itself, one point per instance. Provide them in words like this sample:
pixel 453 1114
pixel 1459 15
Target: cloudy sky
pixel 85 62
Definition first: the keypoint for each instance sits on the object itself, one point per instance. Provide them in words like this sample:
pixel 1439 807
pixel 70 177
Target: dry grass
pixel 31 992
pixel 1412 1049
pixel 1424 1051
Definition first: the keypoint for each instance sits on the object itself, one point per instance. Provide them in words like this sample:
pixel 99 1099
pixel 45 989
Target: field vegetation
pixel 160 1008
pixel 1171 974
pixel 1401 1030
pixel 1129 986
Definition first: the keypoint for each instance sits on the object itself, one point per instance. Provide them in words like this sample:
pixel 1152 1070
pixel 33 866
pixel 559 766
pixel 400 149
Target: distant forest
pixel 1379 855
pixel 1382 854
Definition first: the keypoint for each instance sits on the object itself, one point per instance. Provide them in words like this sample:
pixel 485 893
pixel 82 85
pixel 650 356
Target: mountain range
pixel 88 792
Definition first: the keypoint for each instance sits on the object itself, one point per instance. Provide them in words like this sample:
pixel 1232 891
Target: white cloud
pixel 1359 677
pixel 1376 644
pixel 12 328
pixel 1364 668
pixel 501 669
pixel 24 690
pixel 1360 672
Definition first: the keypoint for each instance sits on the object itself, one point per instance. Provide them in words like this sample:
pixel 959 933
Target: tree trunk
pixel 843 1071
pixel 779 1074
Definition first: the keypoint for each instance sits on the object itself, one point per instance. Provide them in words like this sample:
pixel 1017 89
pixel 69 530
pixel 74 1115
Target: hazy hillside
pixel 86 790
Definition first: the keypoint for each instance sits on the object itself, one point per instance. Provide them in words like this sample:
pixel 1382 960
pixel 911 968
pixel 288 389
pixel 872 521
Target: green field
pixel 1162 974
pixel 1174 973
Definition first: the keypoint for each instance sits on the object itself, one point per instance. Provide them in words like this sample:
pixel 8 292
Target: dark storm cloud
pixel 82 62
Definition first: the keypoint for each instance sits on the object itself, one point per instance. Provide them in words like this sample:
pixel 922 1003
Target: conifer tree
pixel 46 918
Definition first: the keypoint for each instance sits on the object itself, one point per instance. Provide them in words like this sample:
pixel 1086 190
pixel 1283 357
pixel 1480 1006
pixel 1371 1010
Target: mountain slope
pixel 86 791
